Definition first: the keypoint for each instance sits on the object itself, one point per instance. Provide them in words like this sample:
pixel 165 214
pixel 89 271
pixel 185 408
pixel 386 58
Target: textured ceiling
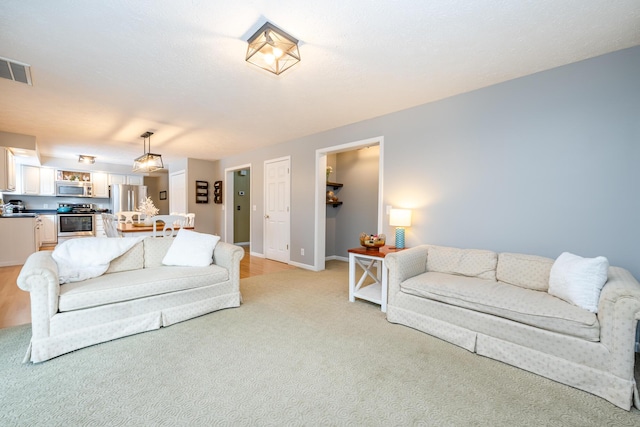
pixel 106 71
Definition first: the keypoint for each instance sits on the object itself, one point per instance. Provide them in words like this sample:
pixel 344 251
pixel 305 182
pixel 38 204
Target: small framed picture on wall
pixel 163 195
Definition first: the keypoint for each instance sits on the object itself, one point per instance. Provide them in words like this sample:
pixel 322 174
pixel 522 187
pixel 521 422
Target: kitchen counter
pixel 20 237
pixel 19 215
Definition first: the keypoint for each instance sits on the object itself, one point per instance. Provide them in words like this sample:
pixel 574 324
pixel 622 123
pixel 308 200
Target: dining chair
pixel 109 224
pixel 172 224
pixel 191 220
pixel 129 216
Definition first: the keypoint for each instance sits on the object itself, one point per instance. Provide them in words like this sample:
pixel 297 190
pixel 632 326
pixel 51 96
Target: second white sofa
pixel 498 306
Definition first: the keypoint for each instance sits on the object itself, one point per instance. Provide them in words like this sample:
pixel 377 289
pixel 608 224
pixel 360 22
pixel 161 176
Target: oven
pixel 71 225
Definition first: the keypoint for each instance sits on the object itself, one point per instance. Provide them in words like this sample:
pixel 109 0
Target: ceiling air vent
pixel 16 71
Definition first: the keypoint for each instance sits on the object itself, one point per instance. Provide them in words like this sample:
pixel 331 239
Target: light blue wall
pixel 541 164
pixel 358 171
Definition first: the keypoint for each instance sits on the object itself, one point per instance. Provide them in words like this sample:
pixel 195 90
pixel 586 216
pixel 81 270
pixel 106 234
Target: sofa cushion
pixel 129 285
pixel 534 308
pixel 526 271
pixel 464 262
pixel 579 280
pixel 133 259
pixel 155 248
pixel 191 249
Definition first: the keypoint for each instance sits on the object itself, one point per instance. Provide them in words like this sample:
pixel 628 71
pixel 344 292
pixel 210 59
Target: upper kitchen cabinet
pixel 125 179
pixel 30 180
pixel 100 182
pixel 36 181
pixel 7 170
pixel 47 182
pixel 115 179
pixel 135 179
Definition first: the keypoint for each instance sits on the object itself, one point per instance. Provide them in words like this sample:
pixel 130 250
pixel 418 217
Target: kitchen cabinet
pixel 100 182
pixel 7 170
pixel 135 179
pixel 115 179
pixel 126 179
pixel 23 235
pixel 36 181
pixel 30 180
pixel 47 182
pixel 48 229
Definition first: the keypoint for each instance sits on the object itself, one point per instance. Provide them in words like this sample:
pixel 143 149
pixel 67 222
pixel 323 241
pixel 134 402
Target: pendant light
pixel 148 162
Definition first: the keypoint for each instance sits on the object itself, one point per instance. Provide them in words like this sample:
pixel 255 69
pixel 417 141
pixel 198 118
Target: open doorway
pixel 322 156
pixel 237 203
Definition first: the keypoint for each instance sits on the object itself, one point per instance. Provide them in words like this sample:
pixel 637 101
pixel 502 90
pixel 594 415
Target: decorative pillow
pixel 191 249
pixel 578 280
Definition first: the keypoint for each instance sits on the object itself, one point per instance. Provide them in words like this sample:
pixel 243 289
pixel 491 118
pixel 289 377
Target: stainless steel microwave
pixel 74 189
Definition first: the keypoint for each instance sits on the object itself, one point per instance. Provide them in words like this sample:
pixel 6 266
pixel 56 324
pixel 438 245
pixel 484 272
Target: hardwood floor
pixel 15 306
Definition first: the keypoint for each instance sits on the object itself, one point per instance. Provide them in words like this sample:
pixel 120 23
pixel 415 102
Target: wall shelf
pixel 333 202
pixel 202 192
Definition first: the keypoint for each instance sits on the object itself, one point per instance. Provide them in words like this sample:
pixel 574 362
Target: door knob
pixel 266 216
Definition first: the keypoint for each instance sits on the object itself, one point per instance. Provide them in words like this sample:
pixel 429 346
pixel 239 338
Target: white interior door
pixel 178 192
pixel 277 218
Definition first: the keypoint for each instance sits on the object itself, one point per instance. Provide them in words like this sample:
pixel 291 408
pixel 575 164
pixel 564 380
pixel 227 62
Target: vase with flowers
pixel 148 209
pixel 329 170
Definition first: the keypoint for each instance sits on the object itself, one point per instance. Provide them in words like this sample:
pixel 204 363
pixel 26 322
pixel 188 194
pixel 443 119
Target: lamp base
pixel 399 238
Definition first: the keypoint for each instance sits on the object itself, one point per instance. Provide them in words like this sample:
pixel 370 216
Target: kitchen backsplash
pixel 45 202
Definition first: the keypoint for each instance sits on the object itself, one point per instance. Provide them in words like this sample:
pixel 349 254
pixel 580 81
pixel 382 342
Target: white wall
pixel 541 164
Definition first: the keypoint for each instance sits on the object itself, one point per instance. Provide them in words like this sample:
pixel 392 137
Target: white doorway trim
pixel 321 180
pixel 227 198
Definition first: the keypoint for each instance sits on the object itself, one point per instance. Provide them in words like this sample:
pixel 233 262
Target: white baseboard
pixel 337 258
pixel 305 266
pixel 256 254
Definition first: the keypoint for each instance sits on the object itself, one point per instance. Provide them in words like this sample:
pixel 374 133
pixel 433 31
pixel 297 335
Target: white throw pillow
pixel 191 249
pixel 578 280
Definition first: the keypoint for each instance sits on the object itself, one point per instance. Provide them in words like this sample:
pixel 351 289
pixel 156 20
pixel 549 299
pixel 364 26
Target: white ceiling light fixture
pixel 272 49
pixel 148 162
pixel 89 160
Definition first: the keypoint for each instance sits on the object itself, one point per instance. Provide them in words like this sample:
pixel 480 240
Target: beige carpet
pixel 295 353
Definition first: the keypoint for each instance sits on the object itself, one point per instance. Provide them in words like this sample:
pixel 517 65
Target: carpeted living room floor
pixel 295 353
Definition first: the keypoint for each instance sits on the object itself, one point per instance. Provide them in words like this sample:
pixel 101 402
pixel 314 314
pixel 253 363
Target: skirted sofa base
pixel 137 294
pixel 603 365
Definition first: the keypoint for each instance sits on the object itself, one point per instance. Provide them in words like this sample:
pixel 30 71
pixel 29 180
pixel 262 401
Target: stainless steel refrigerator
pixel 127 197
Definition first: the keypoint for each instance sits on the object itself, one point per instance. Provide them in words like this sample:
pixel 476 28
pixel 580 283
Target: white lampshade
pixel 400 218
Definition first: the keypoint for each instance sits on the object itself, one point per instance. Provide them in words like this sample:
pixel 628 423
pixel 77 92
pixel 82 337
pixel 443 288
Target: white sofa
pixel 497 305
pixel 136 294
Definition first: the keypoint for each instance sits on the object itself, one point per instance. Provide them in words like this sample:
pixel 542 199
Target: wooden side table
pixel 369 259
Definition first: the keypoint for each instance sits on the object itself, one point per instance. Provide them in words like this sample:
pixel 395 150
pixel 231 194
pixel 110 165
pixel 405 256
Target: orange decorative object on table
pixel 372 241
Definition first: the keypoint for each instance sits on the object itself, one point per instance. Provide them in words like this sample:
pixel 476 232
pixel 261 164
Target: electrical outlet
pixel 301 251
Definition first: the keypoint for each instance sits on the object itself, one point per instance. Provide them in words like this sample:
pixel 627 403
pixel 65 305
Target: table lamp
pixel 400 218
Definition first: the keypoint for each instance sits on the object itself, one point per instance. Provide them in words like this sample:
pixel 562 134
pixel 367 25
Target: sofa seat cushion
pixel 534 308
pixel 133 284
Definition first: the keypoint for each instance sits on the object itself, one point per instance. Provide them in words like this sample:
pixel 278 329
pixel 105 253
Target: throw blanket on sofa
pixel 84 258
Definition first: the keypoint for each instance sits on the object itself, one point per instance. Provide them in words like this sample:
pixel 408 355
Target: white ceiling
pixel 106 71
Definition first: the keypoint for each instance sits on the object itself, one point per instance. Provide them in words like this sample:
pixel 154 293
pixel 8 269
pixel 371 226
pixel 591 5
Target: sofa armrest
pixel 618 314
pixel 39 276
pixel 403 265
pixel 229 256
